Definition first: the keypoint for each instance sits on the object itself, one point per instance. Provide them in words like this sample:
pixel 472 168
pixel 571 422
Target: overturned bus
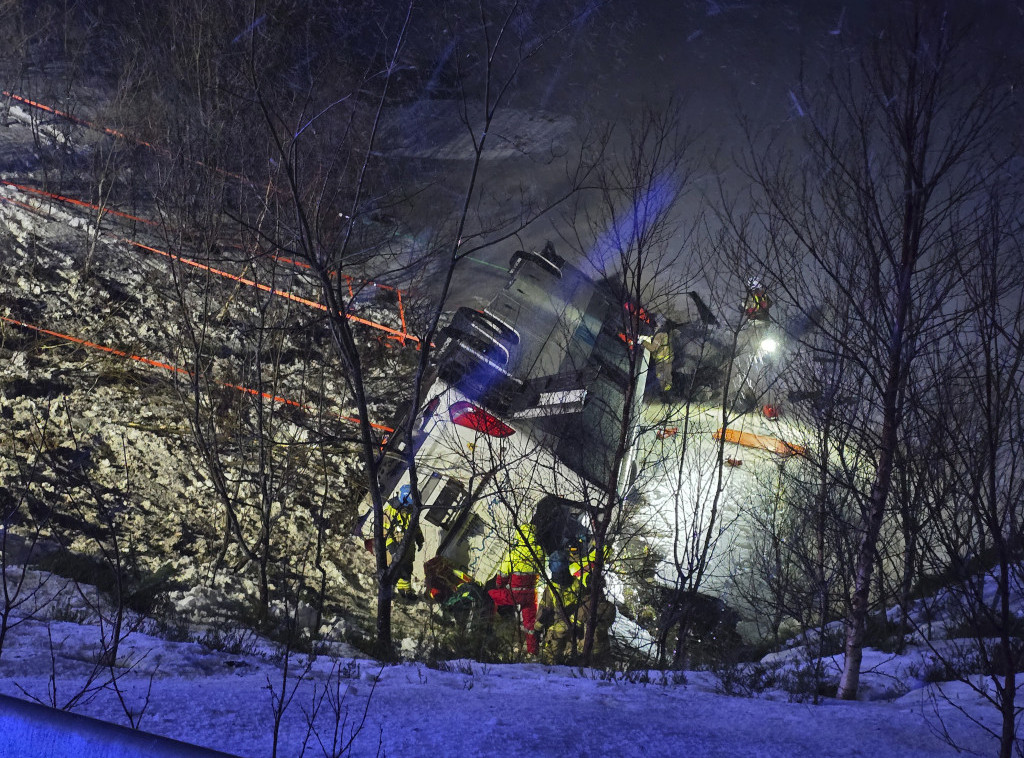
pixel 531 417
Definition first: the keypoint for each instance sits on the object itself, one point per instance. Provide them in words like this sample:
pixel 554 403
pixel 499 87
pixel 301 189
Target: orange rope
pixel 178 370
pixel 113 132
pixel 74 119
pixel 72 201
pixel 400 336
pixel 332 274
pixel 350 280
pixel 20 204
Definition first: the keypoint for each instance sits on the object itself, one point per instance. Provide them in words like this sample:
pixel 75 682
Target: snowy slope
pixel 220 695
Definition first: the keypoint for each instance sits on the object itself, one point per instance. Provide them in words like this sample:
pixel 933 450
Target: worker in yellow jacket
pixel 556 614
pixel 582 568
pixel 516 581
pixel 397 515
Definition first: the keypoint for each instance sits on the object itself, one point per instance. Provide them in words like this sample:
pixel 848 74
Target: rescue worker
pixel 515 584
pixel 581 565
pixel 604 612
pixel 661 357
pixel 556 614
pixel 397 514
pixel 756 305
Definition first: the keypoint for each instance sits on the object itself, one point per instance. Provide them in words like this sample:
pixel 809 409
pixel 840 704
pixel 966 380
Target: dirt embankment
pixel 108 449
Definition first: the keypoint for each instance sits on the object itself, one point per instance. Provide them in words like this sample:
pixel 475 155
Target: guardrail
pixel 30 730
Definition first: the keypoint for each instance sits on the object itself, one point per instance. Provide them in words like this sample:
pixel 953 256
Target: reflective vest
pixel 583 568
pixel 757 304
pixel 525 556
pixel 558 605
pixel 396 524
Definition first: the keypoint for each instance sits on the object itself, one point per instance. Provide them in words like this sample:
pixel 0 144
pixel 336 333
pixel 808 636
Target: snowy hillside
pixel 221 694
pixel 227 240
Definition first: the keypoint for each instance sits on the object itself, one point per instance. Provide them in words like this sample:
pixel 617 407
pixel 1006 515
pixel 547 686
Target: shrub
pixel 746 679
pixel 143 591
pixel 959 664
pixel 230 641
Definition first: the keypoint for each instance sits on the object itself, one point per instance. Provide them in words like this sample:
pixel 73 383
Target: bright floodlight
pixel 768 345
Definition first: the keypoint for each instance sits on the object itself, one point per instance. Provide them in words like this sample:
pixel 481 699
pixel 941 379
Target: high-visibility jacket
pixel 396 524
pixel 516 580
pixel 582 569
pixel 558 604
pixel 524 556
pixel 756 305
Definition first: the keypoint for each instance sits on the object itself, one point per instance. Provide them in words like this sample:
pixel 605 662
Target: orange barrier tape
pixel 105 209
pixel 20 204
pixel 351 291
pixel 73 201
pixel 113 132
pixel 178 370
pixel 401 310
pixel 94 345
pixel 74 119
pixel 760 442
pixel 400 336
pixel 346 277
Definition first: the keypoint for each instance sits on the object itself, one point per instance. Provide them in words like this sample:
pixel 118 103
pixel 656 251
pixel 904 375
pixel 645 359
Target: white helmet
pixel 753 283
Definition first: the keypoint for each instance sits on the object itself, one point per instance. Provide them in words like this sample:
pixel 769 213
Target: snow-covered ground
pixel 219 688
pixel 221 695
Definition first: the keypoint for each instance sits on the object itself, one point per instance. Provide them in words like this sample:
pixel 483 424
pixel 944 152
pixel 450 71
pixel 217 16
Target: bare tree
pixel 631 231
pixel 22 533
pixel 332 173
pixel 897 144
pixel 979 464
pixel 803 550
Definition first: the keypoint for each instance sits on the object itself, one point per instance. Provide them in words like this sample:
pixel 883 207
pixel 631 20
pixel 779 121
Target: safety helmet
pixel 558 566
pixel 753 283
pixel 577 543
pixel 405 496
